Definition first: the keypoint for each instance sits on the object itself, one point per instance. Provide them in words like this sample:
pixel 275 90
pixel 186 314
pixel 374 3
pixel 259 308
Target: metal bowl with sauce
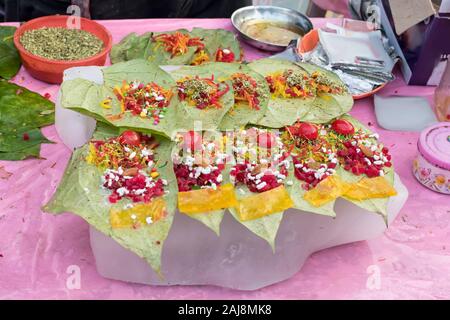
pixel 269 27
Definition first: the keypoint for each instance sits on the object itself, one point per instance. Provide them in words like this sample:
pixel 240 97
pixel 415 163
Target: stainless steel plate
pixel 284 16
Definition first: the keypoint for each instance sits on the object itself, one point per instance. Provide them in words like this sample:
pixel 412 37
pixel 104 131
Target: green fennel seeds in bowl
pixel 57 43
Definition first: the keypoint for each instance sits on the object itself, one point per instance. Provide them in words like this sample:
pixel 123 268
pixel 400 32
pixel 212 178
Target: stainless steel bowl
pixel 285 16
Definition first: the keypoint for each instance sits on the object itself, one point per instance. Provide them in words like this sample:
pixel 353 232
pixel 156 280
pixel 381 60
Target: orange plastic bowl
pixel 52 70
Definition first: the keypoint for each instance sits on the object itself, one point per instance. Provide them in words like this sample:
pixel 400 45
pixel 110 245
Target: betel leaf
pixel 19 146
pixel 80 192
pixel 9 56
pixel 212 219
pixel 135 46
pixel 327 106
pixel 22 109
pixel 378 205
pixel 281 111
pixel 190 117
pixel 22 113
pixel 131 42
pixel 215 39
pixel 296 192
pixel 241 113
pixel 265 227
pixel 85 96
pixel 31 151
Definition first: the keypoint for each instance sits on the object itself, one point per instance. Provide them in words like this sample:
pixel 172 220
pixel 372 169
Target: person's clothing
pixel 23 10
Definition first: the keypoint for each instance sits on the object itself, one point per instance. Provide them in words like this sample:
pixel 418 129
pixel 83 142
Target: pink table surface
pixel 410 261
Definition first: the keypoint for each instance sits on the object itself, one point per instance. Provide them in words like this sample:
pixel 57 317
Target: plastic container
pixel 432 165
pixel 52 70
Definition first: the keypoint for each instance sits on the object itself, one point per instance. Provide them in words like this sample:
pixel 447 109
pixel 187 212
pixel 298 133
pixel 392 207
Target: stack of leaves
pixel 22 114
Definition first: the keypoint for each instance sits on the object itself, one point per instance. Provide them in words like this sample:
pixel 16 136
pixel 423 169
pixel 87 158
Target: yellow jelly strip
pixel 204 200
pixel 264 203
pixel 139 215
pixel 327 190
pixel 370 188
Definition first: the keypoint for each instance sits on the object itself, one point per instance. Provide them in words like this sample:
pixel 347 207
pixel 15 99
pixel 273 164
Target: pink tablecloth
pixel 411 260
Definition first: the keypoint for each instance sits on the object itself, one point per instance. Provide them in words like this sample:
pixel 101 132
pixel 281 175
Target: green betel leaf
pixel 296 192
pixel 29 152
pixel 145 47
pixel 80 192
pixel 22 113
pixel 131 45
pixel 19 146
pixel 241 113
pixel 210 118
pixel 139 70
pixel 9 56
pixel 265 227
pixel 281 111
pixel 327 106
pixel 211 219
pixel 377 205
pixel 156 52
pixel 215 39
pixel 22 109
pixel 86 97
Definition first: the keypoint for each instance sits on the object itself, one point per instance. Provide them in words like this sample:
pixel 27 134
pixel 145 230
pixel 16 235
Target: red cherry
pixel 305 130
pixel 343 127
pixel 192 140
pixel 266 140
pixel 130 137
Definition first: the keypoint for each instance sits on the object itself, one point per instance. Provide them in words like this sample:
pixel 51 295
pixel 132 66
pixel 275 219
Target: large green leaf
pixel 265 227
pixel 13 146
pixel 80 192
pixel 134 46
pixel 189 116
pixel 9 56
pixel 128 46
pixel 280 111
pixel 86 96
pixel 22 113
pixel 378 205
pixel 211 219
pixel 22 109
pixel 327 106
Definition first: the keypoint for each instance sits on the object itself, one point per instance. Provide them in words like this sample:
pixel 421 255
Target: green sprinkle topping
pixel 59 43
